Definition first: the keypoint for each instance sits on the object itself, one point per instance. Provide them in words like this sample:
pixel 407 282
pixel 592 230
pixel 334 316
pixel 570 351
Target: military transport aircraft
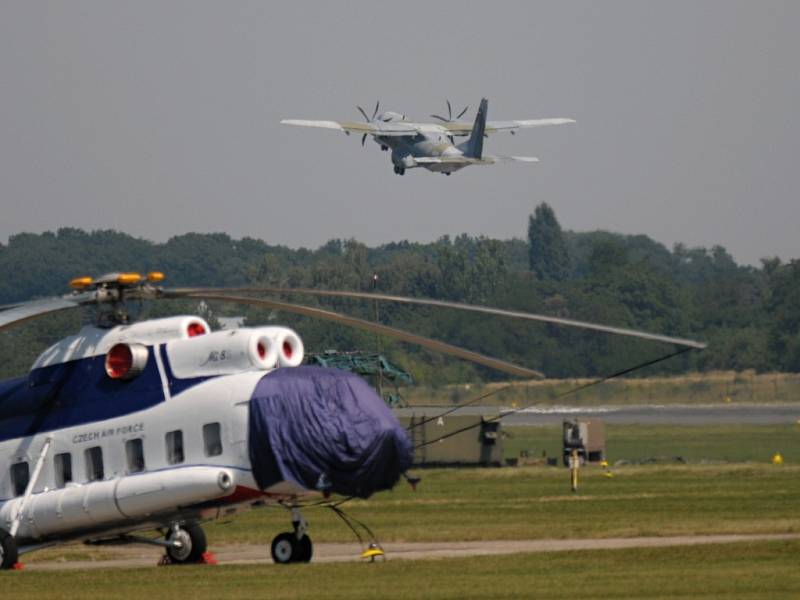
pixel 162 424
pixel 432 145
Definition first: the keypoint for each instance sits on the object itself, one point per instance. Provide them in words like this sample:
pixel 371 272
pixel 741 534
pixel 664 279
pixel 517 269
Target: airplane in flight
pixel 432 145
pixel 161 425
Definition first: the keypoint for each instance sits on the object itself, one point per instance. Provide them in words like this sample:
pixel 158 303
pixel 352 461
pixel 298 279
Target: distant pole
pixel 377 337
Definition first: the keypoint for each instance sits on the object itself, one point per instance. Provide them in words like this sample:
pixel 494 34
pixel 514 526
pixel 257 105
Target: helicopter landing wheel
pixel 192 544
pixel 305 549
pixel 286 549
pixel 8 550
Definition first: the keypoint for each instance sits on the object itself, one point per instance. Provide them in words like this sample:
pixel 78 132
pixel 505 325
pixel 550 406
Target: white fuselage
pixel 426 144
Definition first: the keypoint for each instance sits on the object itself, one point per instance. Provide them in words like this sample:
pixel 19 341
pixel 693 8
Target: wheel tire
pixel 195 544
pixel 284 549
pixel 305 549
pixel 8 550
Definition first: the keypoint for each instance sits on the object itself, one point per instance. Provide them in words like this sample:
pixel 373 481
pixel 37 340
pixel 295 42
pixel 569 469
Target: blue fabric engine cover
pixel 326 430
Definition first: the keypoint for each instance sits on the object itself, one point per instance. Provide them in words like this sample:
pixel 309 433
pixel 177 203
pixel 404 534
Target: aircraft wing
pixel 448 160
pixel 374 128
pixel 458 128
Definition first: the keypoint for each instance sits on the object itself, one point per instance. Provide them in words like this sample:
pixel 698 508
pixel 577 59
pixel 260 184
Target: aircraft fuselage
pixel 405 149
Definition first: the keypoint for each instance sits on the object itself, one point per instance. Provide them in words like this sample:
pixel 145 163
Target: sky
pixel 162 117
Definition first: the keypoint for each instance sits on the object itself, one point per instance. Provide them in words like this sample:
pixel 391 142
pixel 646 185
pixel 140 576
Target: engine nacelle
pixel 229 352
pixel 94 341
pixel 289 345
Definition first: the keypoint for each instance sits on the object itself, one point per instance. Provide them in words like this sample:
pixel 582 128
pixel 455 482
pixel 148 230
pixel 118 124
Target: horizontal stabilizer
pixel 448 160
pixel 523 159
pixel 466 160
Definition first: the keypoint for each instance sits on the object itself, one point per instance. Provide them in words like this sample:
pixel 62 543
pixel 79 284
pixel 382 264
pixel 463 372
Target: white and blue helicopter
pixel 161 425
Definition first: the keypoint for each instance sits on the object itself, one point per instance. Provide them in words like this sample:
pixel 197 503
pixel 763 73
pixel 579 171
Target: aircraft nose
pixel 325 430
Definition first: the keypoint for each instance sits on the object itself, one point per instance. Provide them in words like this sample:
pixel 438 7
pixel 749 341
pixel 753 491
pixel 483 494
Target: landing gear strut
pixel 183 543
pixel 294 547
pixel 8 550
pixel 399 170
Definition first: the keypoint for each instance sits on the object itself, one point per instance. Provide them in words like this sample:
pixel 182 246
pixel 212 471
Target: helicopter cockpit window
pixel 134 451
pixel 20 475
pixel 212 439
pixel 63 466
pixel 174 441
pixel 94 463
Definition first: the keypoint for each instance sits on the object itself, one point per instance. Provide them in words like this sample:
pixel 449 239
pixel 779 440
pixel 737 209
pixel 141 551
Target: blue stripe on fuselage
pixel 79 392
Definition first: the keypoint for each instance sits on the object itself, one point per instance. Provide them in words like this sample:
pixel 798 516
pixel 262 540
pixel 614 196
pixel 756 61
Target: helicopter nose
pixel 324 430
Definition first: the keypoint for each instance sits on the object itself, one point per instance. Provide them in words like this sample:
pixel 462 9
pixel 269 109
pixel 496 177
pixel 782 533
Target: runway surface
pixel 132 557
pixel 668 414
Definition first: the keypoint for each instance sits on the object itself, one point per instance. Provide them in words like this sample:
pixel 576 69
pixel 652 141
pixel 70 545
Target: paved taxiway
pixel 710 414
pixel 257 554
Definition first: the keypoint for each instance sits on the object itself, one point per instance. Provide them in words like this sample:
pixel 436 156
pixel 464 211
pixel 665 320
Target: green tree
pixel 547 250
pixel 784 310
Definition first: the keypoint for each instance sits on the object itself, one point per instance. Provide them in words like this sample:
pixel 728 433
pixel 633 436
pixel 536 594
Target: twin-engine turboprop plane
pixel 163 424
pixel 432 145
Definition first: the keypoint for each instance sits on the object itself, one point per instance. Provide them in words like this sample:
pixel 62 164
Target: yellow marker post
pixel 777 459
pixel 574 465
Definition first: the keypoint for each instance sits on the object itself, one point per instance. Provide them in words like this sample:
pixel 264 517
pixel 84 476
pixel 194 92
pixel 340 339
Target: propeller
pixel 367 119
pixel 450 118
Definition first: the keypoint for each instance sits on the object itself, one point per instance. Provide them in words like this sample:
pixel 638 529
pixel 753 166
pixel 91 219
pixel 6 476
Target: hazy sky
pixel 158 118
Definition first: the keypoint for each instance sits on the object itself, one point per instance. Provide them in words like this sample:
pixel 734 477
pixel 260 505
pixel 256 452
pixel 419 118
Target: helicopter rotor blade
pixel 356 323
pixel 13 315
pixel 635 333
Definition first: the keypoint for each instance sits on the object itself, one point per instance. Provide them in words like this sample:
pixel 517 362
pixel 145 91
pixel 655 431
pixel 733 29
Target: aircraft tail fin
pixel 474 146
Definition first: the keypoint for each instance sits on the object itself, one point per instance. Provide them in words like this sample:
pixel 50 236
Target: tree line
pixel 750 316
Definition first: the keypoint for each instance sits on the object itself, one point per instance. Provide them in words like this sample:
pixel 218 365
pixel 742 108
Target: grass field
pixel 694 444
pixel 536 502
pixel 745 387
pixel 748 570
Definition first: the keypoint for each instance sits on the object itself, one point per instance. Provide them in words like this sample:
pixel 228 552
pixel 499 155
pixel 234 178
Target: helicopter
pixel 162 425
